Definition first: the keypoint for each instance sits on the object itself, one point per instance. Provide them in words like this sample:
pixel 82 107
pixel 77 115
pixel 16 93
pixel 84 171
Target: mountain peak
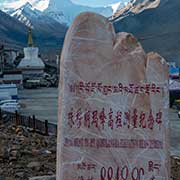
pixel 135 7
pixel 65 11
pixel 11 5
pixel 115 6
pixel 27 5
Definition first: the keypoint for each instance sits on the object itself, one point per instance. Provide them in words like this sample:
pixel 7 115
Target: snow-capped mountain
pixel 36 19
pixel 47 32
pixel 65 11
pixel 135 7
pixel 25 14
pixel 11 5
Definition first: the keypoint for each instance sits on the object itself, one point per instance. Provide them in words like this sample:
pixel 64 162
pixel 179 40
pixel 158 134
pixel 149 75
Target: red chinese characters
pixel 102 118
pixel 107 118
pixel 118 119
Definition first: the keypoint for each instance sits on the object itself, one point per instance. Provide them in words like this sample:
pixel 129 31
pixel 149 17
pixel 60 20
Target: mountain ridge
pixel 63 11
pixel 156 28
pixel 49 37
pixel 67 11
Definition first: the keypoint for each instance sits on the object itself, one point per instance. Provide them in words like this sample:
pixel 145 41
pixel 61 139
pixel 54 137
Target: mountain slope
pixel 64 11
pixel 43 25
pixel 11 30
pixel 158 28
pixel 8 5
pixel 48 34
pixel 135 7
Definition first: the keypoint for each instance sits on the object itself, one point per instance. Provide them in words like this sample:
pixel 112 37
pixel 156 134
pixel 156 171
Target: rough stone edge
pixel 43 178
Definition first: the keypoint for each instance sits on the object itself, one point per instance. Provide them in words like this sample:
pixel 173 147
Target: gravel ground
pixel 24 154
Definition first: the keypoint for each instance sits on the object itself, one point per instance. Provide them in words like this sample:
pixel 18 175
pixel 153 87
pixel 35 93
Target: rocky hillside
pixel 155 23
pixel 24 154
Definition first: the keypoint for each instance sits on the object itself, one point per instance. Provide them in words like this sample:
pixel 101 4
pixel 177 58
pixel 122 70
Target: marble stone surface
pixel 113 100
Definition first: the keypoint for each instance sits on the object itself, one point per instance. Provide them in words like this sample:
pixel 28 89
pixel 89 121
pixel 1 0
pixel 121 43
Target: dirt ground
pixel 24 154
pixel 44 104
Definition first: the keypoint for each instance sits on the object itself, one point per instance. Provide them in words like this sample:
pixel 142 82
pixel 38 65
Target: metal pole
pixel 34 123
pixel 46 128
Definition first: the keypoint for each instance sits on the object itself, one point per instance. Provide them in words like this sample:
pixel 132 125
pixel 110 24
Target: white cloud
pixel 41 5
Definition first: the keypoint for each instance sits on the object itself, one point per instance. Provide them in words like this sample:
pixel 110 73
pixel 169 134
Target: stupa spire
pixel 30 39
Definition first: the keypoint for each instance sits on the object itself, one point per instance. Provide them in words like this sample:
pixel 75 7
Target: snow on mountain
pixel 25 14
pixel 41 5
pixel 65 11
pixel 7 5
pixel 36 19
pixel 115 6
pixel 119 5
pixel 48 34
pixel 135 7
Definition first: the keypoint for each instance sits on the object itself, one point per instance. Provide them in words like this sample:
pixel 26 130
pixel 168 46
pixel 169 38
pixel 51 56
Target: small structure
pixel 174 86
pixel 174 72
pixel 31 65
pixel 7 58
pixel 12 77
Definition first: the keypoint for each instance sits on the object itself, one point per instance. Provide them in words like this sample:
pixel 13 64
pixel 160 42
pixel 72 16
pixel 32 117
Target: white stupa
pixel 31 65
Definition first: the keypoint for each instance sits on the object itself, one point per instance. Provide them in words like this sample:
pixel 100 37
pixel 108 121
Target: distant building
pixel 174 72
pixel 7 58
pixel 31 65
pixel 12 77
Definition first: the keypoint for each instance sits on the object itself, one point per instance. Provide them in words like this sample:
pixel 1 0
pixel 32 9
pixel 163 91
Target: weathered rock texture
pixel 113 106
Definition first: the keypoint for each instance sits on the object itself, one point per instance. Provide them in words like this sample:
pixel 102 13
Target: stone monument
pixel 113 106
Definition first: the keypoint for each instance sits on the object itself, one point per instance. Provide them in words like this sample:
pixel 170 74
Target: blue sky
pixel 97 2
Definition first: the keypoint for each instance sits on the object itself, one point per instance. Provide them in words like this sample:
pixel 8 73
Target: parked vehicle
pixel 10 107
pixel 177 104
pixel 32 84
pixel 8 101
pixel 8 91
pixel 179 114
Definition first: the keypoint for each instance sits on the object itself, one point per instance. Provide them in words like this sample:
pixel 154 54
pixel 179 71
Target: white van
pixel 8 101
pixel 10 107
